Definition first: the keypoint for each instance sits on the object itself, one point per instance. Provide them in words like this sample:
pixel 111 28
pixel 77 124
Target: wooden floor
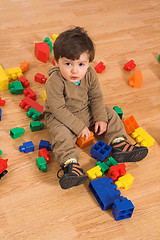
pixel 32 204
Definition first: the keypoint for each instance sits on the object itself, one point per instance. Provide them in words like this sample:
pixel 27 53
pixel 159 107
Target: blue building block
pixel 45 144
pixel 105 192
pixel 0 113
pixel 122 208
pixel 27 147
pixel 100 150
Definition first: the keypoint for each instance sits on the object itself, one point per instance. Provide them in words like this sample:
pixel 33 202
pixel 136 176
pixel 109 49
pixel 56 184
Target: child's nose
pixel 74 69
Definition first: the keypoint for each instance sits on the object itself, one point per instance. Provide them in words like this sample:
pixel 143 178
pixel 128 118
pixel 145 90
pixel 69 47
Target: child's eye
pixel 81 64
pixel 68 64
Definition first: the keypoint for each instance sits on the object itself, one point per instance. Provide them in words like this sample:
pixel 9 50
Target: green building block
pixel 0 151
pixel 103 166
pixel 47 40
pixel 159 58
pixel 41 164
pixel 111 162
pixel 36 126
pixel 16 87
pixel 118 111
pixel 34 114
pixel 16 132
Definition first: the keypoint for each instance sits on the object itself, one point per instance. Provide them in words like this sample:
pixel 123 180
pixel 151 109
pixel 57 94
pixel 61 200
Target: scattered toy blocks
pixel 30 93
pixel 24 66
pixel 44 96
pixel 3 166
pixel 45 144
pixel 40 78
pixel 24 81
pixel 118 111
pixel 43 152
pixel 94 173
pixel 4 80
pixel 36 126
pixel 41 164
pixel 142 137
pixel 16 87
pixel 136 79
pixel 130 124
pixel 27 147
pixel 42 51
pixel 16 132
pixel 125 181
pixel 27 103
pixel 116 171
pixel 129 65
pixel 100 67
pixel 100 150
pixel 13 73
pixel 2 102
pixel 81 142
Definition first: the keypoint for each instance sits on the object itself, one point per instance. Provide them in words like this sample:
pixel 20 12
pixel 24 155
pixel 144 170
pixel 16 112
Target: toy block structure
pixel 45 144
pixel 34 114
pixel 24 66
pixel 47 40
pixel 100 67
pixel 0 114
pixel 125 181
pixel 103 166
pixel 100 150
pixel 41 164
pixel 24 81
pixel 14 73
pixel 111 162
pixel 36 126
pixel 104 191
pixel 116 171
pixel 40 78
pixel 130 124
pixel 44 96
pixel 4 80
pixel 94 173
pixel 2 102
pixel 136 79
pixel 16 132
pixel 129 65
pixel 30 93
pixel 27 103
pixel 16 88
pixel 27 147
pixel 142 137
pixel 81 142
pixel 122 208
pixel 42 51
pixel 43 152
pixel 54 36
pixel 3 166
pixel 118 111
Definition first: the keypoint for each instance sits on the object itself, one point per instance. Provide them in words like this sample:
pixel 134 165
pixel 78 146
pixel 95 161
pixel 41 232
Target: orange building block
pixel 82 143
pixel 136 79
pixel 24 66
pixel 130 124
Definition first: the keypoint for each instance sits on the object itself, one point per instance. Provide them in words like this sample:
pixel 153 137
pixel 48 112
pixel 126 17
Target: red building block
pixel 24 66
pixel 116 171
pixel 27 103
pixel 40 78
pixel 2 102
pixel 43 152
pixel 129 65
pixel 3 166
pixel 82 143
pixel 30 93
pixel 53 61
pixel 24 81
pixel 136 79
pixel 42 51
pixel 100 67
pixel 130 124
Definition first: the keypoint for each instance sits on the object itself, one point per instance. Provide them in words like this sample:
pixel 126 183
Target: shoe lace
pixel 68 168
pixel 62 168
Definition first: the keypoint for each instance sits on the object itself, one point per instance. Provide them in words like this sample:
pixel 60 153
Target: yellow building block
pixel 125 181
pixel 94 173
pixel 142 137
pixel 44 96
pixel 4 80
pixel 54 36
pixel 14 73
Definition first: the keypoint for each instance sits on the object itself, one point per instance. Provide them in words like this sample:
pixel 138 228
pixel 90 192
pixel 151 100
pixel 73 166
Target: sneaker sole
pixel 133 156
pixel 70 181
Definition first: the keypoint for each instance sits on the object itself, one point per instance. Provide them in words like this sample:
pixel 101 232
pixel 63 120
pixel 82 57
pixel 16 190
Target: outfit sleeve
pixel 56 104
pixel 96 98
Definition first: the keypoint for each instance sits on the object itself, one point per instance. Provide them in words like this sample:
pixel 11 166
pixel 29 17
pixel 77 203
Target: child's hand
pixel 85 132
pixel 101 125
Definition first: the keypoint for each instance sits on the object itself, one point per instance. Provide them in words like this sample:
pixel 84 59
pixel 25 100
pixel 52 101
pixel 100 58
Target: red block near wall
pixel 42 51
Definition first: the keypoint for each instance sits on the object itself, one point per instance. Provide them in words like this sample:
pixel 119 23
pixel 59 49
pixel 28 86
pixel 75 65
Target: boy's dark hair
pixel 72 43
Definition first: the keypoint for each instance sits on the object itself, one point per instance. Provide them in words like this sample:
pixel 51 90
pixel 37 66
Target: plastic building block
pixel 122 208
pixel 43 152
pixel 116 171
pixel 34 114
pixel 16 132
pixel 0 114
pixel 40 78
pixel 100 150
pixel 118 111
pixel 42 51
pixel 54 36
pixel 24 81
pixel 30 93
pixel 47 40
pixel 13 73
pixel 0 152
pixel 81 142
pixel 100 67
pixel 136 79
pixel 130 124
pixel 159 58
pixel 104 191
pixel 41 164
pixel 44 96
pixel 36 126
pixel 103 166
pixel 142 137
pixel 4 80
pixel 3 166
pixel 16 87
pixel 27 147
pixel 94 173
pixel 45 144
pixel 27 103
pixel 111 162
pixel 2 102
pixel 24 66
pixel 129 65
pixel 125 181
pixel 53 61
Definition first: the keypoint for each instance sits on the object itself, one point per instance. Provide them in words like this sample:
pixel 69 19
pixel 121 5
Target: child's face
pixel 74 71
